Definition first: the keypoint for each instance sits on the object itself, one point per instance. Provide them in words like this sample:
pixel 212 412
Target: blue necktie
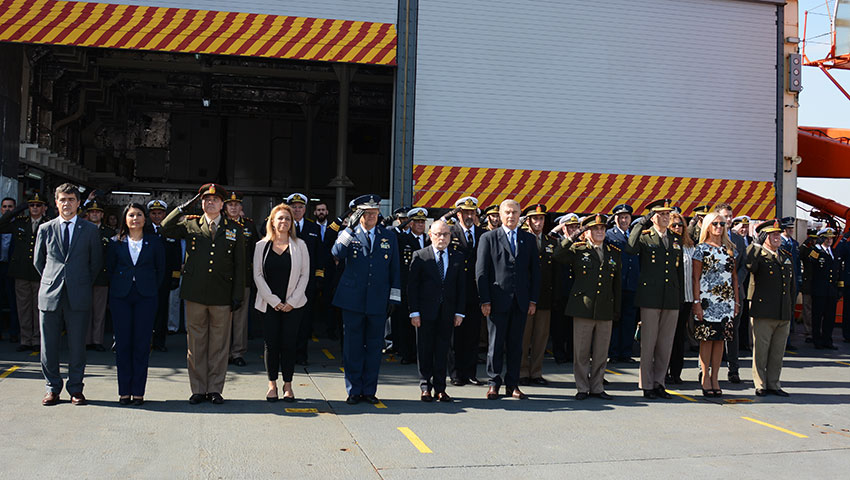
pixel 66 237
pixel 512 241
pixel 441 266
pixel 368 241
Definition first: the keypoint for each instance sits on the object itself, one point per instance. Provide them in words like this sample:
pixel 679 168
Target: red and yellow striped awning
pixel 196 31
pixel 442 186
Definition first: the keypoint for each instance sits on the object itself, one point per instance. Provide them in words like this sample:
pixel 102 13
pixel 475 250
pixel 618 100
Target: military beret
pixel 622 208
pixel 660 205
pixel 296 198
pixel 467 203
pixel 536 209
pixel 212 189
pixel 593 220
pixel 367 201
pixel 769 226
pixel 157 205
pixel 417 213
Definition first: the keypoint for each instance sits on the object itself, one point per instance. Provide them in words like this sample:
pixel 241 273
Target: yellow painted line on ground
pixel 34 354
pixel 415 440
pixel 315 339
pixel 792 353
pixel 301 410
pixel 681 395
pixel 738 400
pixel 328 353
pixel 783 430
pixel 380 405
pixel 612 372
pixel 9 371
pixel 843 363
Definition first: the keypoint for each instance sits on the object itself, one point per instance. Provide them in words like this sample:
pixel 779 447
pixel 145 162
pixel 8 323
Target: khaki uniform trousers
pixel 97 320
pixel 768 349
pixel 239 346
pixel 806 314
pixel 657 329
pixel 208 338
pixel 591 339
pixel 534 339
pixel 26 296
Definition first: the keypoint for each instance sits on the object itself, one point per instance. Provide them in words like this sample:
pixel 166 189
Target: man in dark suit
pixel 324 272
pixel 508 277
pixel 403 333
pixel 465 238
pixel 309 232
pixel 437 298
pixel 740 252
pixel 827 285
pixel 173 264
pixel 68 256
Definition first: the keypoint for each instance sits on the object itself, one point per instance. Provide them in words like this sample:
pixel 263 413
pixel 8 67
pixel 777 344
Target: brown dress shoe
pixel 493 393
pixel 444 397
pixel 78 399
pixel 516 393
pixel 426 397
pixel 50 399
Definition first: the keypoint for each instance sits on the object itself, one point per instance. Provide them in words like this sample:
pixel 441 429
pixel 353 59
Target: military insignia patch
pixel 230 234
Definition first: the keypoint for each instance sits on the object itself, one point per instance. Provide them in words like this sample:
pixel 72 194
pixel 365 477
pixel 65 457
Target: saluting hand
pixel 191 202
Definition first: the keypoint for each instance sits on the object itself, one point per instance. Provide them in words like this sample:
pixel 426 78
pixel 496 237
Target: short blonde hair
pixel 270 232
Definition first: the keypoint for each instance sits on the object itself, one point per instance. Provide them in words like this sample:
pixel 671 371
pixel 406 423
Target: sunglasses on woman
pixel 677 225
pixel 719 224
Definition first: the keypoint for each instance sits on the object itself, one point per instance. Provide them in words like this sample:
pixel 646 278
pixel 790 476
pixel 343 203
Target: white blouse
pixel 135 247
pixel 687 257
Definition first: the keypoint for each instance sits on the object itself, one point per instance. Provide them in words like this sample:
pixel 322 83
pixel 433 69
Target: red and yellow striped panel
pixel 196 31
pixel 441 187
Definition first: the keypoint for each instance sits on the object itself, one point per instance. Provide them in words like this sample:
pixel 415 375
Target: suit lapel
pixel 78 228
pixel 57 227
pixel 503 239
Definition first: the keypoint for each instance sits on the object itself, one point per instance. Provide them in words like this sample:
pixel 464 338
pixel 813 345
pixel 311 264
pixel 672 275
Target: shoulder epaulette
pixel 248 219
pixel 646 231
pixel 23 217
pixel 613 247
pixel 580 244
pixel 193 217
pixel 814 254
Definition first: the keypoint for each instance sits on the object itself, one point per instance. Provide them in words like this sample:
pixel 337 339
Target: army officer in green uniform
pixel 772 307
pixel 659 294
pixel 213 287
pixel 594 302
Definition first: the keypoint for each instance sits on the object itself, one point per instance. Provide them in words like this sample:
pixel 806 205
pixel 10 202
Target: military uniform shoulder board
pixel 23 217
pixel 580 244
pixel 814 254
pixel 646 231
pixel 335 227
pixel 613 247
pixel 193 217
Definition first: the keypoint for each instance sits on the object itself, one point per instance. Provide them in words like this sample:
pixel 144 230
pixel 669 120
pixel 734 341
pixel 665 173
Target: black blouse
pixel 277 268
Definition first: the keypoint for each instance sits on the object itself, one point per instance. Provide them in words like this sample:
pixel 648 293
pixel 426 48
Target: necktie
pixel 421 242
pixel 212 229
pixel 512 241
pixel 34 227
pixel 298 228
pixel 369 241
pixel 323 231
pixel 66 237
pixel 469 240
pixel 441 266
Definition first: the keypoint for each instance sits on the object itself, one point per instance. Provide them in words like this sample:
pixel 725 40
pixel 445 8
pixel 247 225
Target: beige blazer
pixel 298 276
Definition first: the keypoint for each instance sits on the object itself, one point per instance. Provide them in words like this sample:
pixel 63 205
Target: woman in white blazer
pixel 281 272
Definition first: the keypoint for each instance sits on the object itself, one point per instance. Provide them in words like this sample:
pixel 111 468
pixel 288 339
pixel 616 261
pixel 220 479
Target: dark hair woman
pixel 135 261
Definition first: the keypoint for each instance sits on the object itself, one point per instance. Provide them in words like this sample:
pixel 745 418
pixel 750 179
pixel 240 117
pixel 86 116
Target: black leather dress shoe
pixel 831 347
pixel 215 398
pixel 734 378
pixel 239 362
pixel 197 398
pixel 539 381
pixel 582 396
pixel 444 397
pixel 780 392
pixel 353 399
pixel 23 348
pixel 98 348
pixel 370 399
pixel 124 401
pixel 159 348
pixel 407 361
pixel 426 397
pixel 138 402
pixel 650 394
pixel 474 381
pixel 602 395
pixel 760 392
pixel 457 382
pixel 605 381
pixel 661 392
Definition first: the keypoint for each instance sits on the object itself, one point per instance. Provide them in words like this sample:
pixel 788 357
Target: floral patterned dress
pixel 717 293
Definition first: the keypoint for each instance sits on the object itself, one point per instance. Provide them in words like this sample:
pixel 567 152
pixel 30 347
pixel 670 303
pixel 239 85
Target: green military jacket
pixel 773 275
pixel 106 235
pixel 214 268
pixel 662 277
pixel 23 244
pixel 249 231
pixel 545 250
pixel 597 289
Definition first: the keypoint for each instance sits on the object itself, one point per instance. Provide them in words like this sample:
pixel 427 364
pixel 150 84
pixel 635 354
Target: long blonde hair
pixel 270 232
pixel 724 236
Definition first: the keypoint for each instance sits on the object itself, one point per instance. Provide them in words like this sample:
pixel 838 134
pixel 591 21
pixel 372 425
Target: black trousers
pixel 823 320
pixel 465 342
pixel 160 322
pixel 432 348
pixel 403 333
pixel 280 330
pixel 505 331
pixel 677 355
pixel 305 331
pixel 845 319
pixel 561 332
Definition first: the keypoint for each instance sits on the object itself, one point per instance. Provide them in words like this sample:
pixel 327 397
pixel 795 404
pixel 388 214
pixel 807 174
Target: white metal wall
pixel 655 87
pixel 383 11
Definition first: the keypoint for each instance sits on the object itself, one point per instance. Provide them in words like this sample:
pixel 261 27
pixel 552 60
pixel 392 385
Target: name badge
pixel 230 234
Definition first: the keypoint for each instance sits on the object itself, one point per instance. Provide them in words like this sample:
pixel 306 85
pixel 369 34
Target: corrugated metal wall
pixel 384 11
pixel 657 87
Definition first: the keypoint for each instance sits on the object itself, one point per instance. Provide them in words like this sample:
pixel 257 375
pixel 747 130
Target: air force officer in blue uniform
pixel 368 291
pixel 624 331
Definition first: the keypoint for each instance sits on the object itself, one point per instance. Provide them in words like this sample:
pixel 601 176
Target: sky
pixel 821 103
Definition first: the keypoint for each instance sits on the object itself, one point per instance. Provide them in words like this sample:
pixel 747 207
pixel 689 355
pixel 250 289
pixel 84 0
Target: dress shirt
pixel 71 227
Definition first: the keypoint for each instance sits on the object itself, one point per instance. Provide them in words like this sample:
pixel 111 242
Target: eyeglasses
pixel 719 224
pixel 677 225
pixel 441 234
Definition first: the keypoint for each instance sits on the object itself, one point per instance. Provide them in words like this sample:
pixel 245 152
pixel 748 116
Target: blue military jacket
pixel 630 263
pixel 369 279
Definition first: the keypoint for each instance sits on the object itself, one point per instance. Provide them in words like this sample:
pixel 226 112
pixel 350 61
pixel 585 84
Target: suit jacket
pixel 299 275
pixel 370 279
pixel 325 267
pixel 825 270
pixel 740 261
pixel 74 270
pixel 407 245
pixel 470 255
pixel 148 271
pixel 23 245
pixel 173 255
pixel 503 277
pixel 106 235
pixel 426 291
pixel 597 291
pixel 312 236
pixel 630 263
pixel 662 271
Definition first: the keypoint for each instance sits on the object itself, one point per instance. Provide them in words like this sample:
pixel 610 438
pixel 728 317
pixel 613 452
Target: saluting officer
pixel 772 306
pixel 536 333
pixel 465 236
pixel 100 286
pixel 826 285
pixel 368 291
pixel 695 225
pixel 213 287
pixel 659 293
pixel 623 333
pixel 594 303
pixel 561 325
pixel 492 215
pixel 24 229
pixel 239 343
pixel 171 280
pixel 310 233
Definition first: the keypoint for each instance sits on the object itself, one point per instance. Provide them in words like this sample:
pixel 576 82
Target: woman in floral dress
pixel 715 297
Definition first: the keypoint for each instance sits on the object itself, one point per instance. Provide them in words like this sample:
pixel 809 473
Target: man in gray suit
pixel 68 256
pixel 740 250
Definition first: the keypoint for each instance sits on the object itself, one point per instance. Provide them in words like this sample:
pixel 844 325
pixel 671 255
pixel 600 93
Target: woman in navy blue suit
pixel 135 261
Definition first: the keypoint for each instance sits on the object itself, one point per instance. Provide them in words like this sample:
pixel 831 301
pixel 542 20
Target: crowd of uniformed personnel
pixel 440 292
